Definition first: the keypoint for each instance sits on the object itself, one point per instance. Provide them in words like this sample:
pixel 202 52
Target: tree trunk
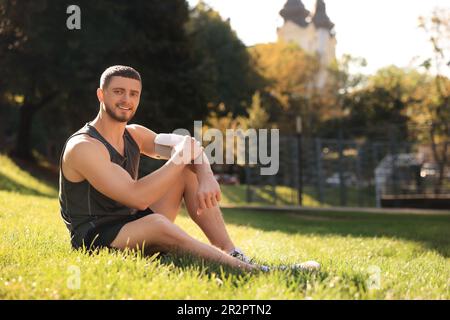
pixel 440 158
pixel 23 142
pixel 23 150
pixel 442 165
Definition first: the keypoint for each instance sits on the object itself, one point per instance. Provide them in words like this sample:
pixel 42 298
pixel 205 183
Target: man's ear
pixel 100 94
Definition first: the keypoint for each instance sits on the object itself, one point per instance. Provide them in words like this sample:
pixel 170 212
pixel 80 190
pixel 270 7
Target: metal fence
pixel 335 172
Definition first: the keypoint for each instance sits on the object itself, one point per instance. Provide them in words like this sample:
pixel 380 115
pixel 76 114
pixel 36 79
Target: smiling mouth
pixel 123 108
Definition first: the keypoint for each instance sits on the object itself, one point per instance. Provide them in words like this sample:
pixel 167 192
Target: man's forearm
pixel 164 144
pixel 153 186
pixel 203 169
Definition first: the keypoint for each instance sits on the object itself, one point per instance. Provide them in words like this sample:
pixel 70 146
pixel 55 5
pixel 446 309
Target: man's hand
pixel 208 193
pixel 186 151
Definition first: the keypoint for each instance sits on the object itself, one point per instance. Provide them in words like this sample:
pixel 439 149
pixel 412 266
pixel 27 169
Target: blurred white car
pixel 428 169
pixel 225 178
pixel 349 179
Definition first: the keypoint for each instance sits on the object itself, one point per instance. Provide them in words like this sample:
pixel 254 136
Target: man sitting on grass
pixel 104 204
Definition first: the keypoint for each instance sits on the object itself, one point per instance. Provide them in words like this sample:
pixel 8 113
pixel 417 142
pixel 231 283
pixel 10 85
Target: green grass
pixel 284 195
pixel 36 261
pixel 264 195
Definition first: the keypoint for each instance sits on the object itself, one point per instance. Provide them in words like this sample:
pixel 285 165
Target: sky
pixel 384 32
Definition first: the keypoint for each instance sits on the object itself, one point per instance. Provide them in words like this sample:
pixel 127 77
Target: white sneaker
pixel 238 254
pixel 308 266
pixel 304 266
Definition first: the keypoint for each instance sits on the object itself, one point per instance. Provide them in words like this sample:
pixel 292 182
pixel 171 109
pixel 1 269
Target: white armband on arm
pixel 168 139
pixel 164 142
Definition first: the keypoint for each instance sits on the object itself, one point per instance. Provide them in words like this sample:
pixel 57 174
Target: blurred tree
pixel 436 107
pixel 224 62
pixel 289 74
pixel 221 123
pixel 258 118
pixel 27 64
pixel 379 109
pixel 58 69
pixel 344 78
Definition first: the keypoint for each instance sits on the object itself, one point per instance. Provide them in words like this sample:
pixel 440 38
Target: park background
pixel 377 138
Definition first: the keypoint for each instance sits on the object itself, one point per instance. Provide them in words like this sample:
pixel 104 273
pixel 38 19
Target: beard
pixel 115 113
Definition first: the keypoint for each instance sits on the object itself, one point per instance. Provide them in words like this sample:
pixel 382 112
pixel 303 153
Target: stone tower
pixel 312 32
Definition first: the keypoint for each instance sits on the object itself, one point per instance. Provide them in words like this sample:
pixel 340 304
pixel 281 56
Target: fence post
pixel 248 189
pixel 274 189
pixel 300 160
pixel 342 187
pixel 375 165
pixel 319 169
pixel 358 174
pixel 293 167
pixel 394 149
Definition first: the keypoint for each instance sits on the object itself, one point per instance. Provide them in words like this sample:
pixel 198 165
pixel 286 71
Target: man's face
pixel 121 98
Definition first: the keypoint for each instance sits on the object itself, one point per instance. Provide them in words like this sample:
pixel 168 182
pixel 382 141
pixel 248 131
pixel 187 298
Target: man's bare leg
pixel 210 220
pixel 156 233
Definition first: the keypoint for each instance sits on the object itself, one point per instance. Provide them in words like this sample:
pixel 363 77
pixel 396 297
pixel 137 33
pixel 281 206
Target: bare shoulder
pixel 82 144
pixel 81 149
pixel 140 133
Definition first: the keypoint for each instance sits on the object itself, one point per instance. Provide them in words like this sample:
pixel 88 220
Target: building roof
pixel 295 11
pixel 320 17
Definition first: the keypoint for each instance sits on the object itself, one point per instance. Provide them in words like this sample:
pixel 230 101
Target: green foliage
pixel 257 116
pixel 287 67
pixel 344 74
pixel 437 28
pixel 289 74
pixel 58 70
pixel 225 64
pixel 380 108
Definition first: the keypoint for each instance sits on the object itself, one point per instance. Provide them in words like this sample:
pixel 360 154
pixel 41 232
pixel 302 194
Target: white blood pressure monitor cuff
pixel 164 142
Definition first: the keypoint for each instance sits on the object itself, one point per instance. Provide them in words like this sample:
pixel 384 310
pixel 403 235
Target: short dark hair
pixel 118 71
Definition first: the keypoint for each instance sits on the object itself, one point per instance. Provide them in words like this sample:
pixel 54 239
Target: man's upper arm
pixel 92 161
pixel 146 142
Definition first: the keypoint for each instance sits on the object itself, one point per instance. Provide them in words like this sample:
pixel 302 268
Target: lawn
pixel 409 253
pixel 285 195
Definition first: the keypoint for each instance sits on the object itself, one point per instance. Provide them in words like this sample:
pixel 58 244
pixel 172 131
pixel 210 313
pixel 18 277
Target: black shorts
pixel 102 236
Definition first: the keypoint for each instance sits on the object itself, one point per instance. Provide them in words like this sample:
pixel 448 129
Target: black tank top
pixel 83 207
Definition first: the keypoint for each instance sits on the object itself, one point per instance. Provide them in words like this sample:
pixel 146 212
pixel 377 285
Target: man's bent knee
pixel 155 218
pixel 140 231
pixel 166 234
